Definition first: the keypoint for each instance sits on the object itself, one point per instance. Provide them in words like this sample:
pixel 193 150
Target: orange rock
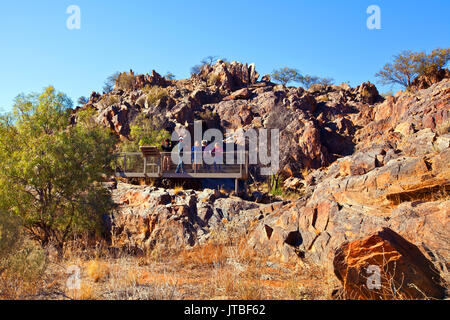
pixel 386 266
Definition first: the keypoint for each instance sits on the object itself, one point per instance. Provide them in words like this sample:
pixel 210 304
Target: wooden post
pixel 236 186
pixel 145 166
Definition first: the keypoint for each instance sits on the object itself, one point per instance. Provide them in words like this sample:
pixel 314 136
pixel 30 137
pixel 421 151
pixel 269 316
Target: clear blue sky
pixel 324 38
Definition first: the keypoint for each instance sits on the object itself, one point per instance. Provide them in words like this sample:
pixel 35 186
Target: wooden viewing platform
pixel 148 164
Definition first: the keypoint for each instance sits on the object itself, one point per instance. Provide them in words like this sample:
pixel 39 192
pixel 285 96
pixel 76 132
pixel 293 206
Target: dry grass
pixel 87 292
pixel 224 268
pixel 207 255
pixel 97 270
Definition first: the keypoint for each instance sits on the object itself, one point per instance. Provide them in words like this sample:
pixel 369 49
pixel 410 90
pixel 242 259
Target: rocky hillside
pixel 393 188
pixel 377 194
pixel 317 126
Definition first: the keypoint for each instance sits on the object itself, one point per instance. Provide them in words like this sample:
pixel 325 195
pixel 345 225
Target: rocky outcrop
pixel 406 113
pixel 229 76
pixel 148 217
pixel 398 178
pixel 368 93
pixel 427 80
pixel 316 125
pixel 361 163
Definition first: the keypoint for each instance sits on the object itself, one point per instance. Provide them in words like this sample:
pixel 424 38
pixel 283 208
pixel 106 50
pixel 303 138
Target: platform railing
pixel 135 164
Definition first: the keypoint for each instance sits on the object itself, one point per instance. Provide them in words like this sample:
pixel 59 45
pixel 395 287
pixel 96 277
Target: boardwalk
pixel 148 164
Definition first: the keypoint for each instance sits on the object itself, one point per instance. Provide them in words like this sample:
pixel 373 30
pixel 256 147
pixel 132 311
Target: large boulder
pixel 385 266
pixel 229 76
pixel 368 93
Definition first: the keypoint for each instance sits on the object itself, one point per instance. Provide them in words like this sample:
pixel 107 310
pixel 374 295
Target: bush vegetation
pixel 408 65
pixel 109 100
pixel 22 262
pixel 49 169
pixel 154 94
pixel 125 81
pixel 286 75
pixel 212 79
pixel 144 131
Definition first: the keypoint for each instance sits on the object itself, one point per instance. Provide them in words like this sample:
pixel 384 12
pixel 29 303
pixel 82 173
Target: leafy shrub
pixel 207 61
pixel 86 117
pixel 126 81
pixel 109 100
pixel 212 79
pixel 82 100
pixel 9 234
pixel 275 185
pixel 145 131
pixel 22 262
pixel 154 94
pixel 28 263
pixel 286 75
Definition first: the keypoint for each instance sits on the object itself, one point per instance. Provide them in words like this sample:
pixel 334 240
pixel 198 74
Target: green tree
pixel 145 131
pixel 408 65
pixel 286 75
pixel 50 171
pixel 403 70
pixel 326 81
pixel 307 81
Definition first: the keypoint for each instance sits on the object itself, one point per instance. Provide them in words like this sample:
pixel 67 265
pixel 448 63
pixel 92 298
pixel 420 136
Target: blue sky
pixel 323 38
